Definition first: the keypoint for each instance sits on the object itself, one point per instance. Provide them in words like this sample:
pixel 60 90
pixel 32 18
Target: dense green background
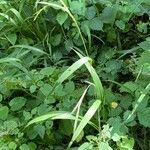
pixel 38 40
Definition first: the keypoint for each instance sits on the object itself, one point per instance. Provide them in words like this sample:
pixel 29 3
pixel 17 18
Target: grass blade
pixel 98 85
pixel 77 107
pixel 56 115
pixel 8 60
pixel 89 114
pixel 140 99
pixel 29 48
pixel 72 69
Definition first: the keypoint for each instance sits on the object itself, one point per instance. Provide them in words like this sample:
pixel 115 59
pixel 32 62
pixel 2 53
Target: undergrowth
pixel 74 74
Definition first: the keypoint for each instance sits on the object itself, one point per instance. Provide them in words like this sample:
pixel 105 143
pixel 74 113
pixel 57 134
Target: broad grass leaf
pixel 52 4
pixel 89 114
pixel 9 18
pixel 98 85
pixel 55 115
pixel 17 14
pixel 8 60
pixel 52 115
pixel 31 48
pixel 72 69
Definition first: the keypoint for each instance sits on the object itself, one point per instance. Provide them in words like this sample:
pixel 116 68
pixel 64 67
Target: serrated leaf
pixel 109 14
pixel 4 110
pixel 104 146
pixel 90 12
pixel 17 103
pixel 56 39
pixel 120 24
pixel 24 147
pixel 40 129
pixel 46 89
pixel 47 71
pixel 143 117
pixel 61 17
pixel 129 87
pixel 77 7
pixel 125 116
pixel 96 24
pixel 69 87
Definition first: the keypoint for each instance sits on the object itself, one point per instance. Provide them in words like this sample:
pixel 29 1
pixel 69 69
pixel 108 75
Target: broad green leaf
pixel 109 14
pixel 56 39
pixel 89 114
pixel 40 129
pixel 145 45
pixel 17 103
pixel 69 87
pixel 90 12
pixel 77 7
pixel 129 87
pixel 33 88
pixel 96 24
pixel 104 146
pixel 61 17
pixel 32 146
pixel 4 110
pixel 47 71
pixel 10 125
pixel 126 143
pixel 143 117
pixel 46 89
pixel 84 146
pixel 126 114
pixel 120 24
pixel 12 145
pixel 24 147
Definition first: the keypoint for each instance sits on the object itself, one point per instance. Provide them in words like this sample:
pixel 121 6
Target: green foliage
pixel 74 74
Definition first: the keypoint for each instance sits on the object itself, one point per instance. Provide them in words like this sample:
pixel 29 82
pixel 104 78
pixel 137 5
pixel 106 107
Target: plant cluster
pixel 74 74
